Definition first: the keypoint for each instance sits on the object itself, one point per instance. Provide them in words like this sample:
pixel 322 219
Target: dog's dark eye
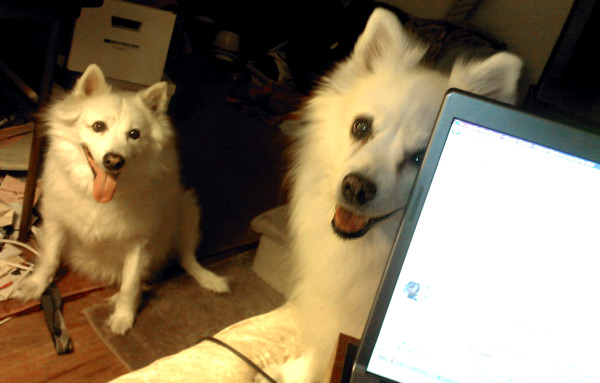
pixel 134 134
pixel 417 158
pixel 99 126
pixel 362 128
pixel 414 159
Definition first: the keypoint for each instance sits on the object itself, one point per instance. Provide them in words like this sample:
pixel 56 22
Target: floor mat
pixel 177 313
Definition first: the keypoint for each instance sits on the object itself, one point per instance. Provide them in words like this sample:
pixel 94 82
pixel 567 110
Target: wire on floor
pixel 17 243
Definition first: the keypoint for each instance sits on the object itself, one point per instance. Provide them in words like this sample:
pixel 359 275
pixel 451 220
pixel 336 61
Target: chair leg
pixel 35 157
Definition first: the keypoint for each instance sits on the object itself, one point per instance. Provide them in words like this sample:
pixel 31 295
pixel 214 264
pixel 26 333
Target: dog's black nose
pixel 113 161
pixel 357 189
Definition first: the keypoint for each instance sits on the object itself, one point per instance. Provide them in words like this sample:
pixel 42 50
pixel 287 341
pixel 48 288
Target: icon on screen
pixel 412 290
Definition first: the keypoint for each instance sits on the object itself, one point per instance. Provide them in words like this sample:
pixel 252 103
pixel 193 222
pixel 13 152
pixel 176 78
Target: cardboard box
pixel 128 41
pixel 135 87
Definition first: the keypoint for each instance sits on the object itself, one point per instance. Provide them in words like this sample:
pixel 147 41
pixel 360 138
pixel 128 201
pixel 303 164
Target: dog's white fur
pixel 129 238
pixel 382 79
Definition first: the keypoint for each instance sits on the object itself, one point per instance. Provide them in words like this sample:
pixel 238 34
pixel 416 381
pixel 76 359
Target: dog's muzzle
pixel 105 177
pixel 356 190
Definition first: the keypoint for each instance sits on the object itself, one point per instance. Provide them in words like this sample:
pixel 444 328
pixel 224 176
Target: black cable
pixel 239 355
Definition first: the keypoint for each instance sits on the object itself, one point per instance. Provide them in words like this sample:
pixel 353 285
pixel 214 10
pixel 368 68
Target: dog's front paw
pixel 120 322
pixel 293 371
pixel 30 289
pixel 215 283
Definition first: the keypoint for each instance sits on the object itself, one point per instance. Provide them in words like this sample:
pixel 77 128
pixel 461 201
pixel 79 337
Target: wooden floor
pixel 27 353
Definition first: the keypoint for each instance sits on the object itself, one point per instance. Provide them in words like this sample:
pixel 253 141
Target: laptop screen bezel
pixel 482 112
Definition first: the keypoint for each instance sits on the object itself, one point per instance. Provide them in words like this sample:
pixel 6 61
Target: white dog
pixel 113 207
pixel 367 127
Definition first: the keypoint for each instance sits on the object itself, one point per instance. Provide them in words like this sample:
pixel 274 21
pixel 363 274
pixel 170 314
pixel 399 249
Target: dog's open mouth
pixel 105 183
pixel 348 224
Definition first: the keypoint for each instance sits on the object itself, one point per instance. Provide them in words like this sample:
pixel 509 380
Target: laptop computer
pixel 494 276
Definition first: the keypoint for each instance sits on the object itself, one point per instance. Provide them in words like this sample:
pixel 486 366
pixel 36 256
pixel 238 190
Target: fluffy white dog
pixel 113 207
pixel 367 127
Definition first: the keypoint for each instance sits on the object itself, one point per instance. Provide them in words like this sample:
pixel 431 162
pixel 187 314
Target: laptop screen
pixel 499 282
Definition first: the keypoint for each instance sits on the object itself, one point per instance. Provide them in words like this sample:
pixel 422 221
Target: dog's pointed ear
pixel 155 97
pixel 496 77
pixel 91 82
pixel 384 41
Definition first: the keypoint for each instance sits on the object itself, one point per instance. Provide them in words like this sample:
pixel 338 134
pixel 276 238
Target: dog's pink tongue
pixel 105 185
pixel 347 221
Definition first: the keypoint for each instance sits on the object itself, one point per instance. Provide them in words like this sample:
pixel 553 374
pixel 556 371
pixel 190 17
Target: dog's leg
pixel 319 329
pixel 127 299
pixel 204 277
pixel 310 367
pixel 188 240
pixel 304 369
pixel 52 243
